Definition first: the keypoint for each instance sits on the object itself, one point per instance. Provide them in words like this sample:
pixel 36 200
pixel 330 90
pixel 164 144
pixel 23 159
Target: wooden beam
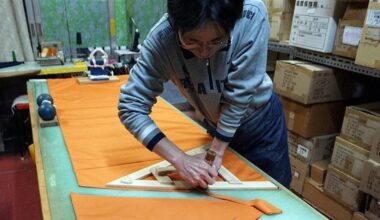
pixel 153 184
pixel 37 150
pixel 140 174
pixel 159 170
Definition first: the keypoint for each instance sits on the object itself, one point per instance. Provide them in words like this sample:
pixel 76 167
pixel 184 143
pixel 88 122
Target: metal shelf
pixel 324 59
pixel 281 47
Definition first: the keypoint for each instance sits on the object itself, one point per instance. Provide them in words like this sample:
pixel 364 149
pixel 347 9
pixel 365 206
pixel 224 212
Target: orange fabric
pixel 259 204
pixel 98 207
pixel 102 150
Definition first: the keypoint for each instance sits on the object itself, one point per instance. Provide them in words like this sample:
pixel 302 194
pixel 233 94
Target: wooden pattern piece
pixel 182 185
pixel 86 80
pixel 48 123
pixel 162 169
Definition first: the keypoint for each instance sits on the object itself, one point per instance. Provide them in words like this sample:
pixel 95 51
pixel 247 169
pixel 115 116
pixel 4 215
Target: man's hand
pixel 195 170
pixel 218 147
pixel 217 163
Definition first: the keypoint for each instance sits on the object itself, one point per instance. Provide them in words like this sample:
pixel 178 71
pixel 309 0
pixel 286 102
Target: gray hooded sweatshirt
pixel 224 89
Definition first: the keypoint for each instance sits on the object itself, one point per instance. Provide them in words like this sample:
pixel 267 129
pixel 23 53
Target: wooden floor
pixel 19 197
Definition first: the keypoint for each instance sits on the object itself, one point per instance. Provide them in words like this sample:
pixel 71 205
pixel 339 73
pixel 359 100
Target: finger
pixel 194 182
pixel 207 179
pixel 209 170
pixel 188 177
pixel 213 173
pixel 202 184
pixel 191 181
pixel 202 179
pixel 208 173
pixel 196 177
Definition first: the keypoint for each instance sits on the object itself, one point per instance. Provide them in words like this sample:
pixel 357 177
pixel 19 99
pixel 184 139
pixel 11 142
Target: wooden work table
pixel 33 68
pixel 57 179
pixel 26 69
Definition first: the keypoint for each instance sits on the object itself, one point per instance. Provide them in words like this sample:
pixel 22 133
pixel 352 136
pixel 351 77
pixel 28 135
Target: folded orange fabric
pixel 262 205
pixel 102 150
pixel 105 207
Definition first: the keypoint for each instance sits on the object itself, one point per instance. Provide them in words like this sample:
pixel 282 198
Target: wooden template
pixel 87 80
pixel 161 169
pixel 49 123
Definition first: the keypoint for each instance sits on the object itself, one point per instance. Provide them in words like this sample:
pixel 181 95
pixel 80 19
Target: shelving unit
pixel 322 58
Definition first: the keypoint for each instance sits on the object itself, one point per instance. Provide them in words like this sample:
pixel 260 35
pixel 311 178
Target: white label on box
pixel 373 18
pixel 296 174
pixel 310 31
pixel 303 151
pixel 351 35
pixel 292 115
pixel 317 7
pixel 311 11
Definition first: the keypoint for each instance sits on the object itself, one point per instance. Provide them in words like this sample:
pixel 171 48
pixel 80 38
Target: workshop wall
pixel 63 19
pixel 145 12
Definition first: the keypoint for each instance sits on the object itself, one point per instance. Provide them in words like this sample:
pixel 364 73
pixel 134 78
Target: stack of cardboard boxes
pixel 315 23
pixel 280 18
pixel 362 127
pixel 312 99
pixel 280 13
pixel 335 162
pixel 352 183
pixel 349 30
pixel 369 47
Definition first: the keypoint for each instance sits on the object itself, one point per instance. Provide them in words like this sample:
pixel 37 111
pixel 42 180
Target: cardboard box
pixel 344 189
pixel 319 170
pixel 359 216
pixel 313 120
pixel 347 38
pixel 286 6
pixel 370 182
pixel 328 206
pixel 374 154
pixel 310 83
pixel 360 124
pixel 349 30
pixel 312 149
pixel 369 47
pixel 349 158
pixel 280 24
pixel 300 171
pixel 354 1
pixel 314 24
pixel 372 208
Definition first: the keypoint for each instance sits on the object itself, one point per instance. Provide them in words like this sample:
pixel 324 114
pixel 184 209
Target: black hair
pixel 185 15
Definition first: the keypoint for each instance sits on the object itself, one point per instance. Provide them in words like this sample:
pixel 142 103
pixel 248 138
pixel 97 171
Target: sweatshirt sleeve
pixel 247 82
pixel 140 93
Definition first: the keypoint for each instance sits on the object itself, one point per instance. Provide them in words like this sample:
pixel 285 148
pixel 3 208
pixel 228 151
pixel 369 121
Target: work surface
pixel 33 68
pixel 57 179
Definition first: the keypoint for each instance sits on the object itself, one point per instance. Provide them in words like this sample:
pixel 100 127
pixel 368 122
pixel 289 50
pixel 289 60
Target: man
pixel 215 52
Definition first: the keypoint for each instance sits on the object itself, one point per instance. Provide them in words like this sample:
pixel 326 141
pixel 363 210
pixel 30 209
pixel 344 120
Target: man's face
pixel 204 41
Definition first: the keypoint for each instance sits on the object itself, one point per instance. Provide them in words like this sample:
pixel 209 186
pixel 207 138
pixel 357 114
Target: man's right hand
pixel 195 170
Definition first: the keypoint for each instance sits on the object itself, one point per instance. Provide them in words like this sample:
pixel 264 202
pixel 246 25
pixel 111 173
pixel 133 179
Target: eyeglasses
pixel 213 45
